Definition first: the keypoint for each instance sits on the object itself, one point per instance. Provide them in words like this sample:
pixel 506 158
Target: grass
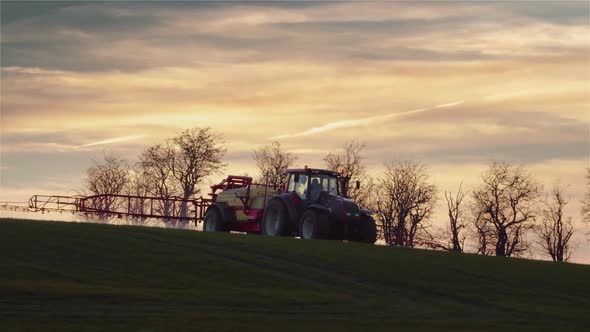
pixel 88 277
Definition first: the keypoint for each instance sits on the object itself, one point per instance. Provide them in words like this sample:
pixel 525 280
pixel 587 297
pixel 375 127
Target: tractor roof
pixel 313 171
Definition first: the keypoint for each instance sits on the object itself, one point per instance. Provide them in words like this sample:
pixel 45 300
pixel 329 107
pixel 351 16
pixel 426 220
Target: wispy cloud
pixel 455 103
pixel 364 121
pixel 31 70
pixel 114 140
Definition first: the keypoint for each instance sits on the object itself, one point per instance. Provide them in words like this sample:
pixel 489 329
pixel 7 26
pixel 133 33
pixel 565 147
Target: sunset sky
pixel 455 85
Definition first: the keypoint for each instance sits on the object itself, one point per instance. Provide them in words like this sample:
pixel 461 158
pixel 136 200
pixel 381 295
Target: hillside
pixel 91 277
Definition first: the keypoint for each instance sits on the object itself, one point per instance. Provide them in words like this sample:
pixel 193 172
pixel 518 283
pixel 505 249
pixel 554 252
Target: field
pixel 91 277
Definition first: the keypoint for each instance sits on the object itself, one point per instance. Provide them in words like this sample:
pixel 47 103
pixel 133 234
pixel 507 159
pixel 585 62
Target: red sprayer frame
pixel 141 207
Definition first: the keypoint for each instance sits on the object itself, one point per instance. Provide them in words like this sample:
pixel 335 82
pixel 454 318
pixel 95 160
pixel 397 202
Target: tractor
pixel 312 205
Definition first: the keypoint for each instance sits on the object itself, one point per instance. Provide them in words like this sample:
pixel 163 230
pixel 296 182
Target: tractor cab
pixel 309 183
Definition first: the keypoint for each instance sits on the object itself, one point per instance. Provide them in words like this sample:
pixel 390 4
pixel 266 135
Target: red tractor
pixel 313 205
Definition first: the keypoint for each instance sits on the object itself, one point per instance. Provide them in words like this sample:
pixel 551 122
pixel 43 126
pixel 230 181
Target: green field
pixel 90 277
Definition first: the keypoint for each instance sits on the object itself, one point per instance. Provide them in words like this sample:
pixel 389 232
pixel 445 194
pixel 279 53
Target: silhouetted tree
pixel 586 201
pixel 350 163
pixel 505 204
pixel 272 161
pixel 452 238
pixel 108 176
pixel 138 185
pixel 403 202
pixel 156 164
pixel 555 230
pixel 193 155
pixel 484 234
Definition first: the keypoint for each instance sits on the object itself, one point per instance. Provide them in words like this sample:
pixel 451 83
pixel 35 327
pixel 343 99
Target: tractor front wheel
pixel 275 221
pixel 213 221
pixel 313 225
pixel 367 230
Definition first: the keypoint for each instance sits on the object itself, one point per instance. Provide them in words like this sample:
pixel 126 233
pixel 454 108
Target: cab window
pixel 291 186
pixel 315 187
pixel 321 183
pixel 298 187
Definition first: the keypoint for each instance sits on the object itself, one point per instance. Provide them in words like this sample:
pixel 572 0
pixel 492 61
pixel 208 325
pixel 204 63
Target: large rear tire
pixel 313 225
pixel 214 221
pixel 275 221
pixel 367 230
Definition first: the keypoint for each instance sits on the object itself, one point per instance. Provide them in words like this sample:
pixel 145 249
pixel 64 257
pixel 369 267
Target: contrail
pixel 363 121
pixel 455 103
pixel 114 140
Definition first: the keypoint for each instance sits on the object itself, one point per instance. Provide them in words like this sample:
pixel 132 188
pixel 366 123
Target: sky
pixel 455 85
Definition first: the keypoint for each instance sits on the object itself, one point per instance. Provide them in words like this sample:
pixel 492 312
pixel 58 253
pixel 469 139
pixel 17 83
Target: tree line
pixel 172 169
pixel 506 214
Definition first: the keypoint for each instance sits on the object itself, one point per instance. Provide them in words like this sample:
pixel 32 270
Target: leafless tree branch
pixel 351 164
pixel 504 209
pixel 403 203
pixel 586 201
pixel 555 230
pixel 272 161
pixel 110 176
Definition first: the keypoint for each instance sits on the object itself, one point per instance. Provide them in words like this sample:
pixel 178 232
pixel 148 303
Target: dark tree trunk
pixel 501 244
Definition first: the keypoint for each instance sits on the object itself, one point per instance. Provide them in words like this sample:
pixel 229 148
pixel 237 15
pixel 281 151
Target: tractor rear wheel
pixel 275 221
pixel 313 225
pixel 367 230
pixel 213 221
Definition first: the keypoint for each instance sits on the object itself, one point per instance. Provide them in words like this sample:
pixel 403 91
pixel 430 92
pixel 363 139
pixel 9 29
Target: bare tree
pixel 273 162
pixel 555 230
pixel 586 201
pixel 484 234
pixel 193 155
pixel 156 163
pixel 139 186
pixel 506 202
pixel 109 176
pixel 452 238
pixel 350 163
pixel 139 181
pixel 404 200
